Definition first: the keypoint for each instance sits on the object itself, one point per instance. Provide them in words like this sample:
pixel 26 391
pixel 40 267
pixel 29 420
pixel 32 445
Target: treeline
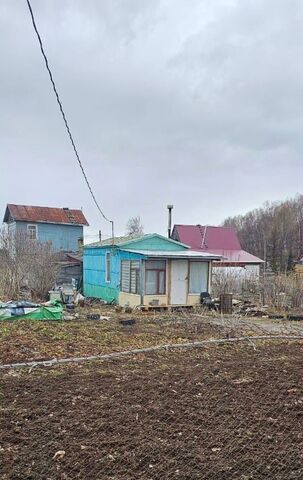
pixel 273 232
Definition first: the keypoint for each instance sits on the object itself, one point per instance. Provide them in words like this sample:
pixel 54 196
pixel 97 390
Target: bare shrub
pixel 229 281
pixel 279 291
pixel 25 263
pixel 43 270
pixel 283 291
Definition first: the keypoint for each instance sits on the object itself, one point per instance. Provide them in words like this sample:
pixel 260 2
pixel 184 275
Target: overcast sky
pixel 198 103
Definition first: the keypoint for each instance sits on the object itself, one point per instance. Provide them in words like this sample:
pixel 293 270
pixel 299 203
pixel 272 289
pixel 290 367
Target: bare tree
pixel 274 230
pixel 25 263
pixel 134 226
pixel 13 262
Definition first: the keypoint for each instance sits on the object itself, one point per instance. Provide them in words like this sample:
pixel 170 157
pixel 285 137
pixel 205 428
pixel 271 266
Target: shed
pixel 148 270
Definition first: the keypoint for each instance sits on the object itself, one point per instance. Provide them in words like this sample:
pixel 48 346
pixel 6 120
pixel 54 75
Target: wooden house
pixel 62 227
pixel 148 270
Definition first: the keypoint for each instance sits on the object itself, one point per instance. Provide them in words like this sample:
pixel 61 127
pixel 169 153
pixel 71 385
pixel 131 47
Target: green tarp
pixel 26 311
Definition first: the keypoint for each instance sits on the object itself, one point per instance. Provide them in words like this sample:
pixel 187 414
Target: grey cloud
pixel 192 102
pixel 243 69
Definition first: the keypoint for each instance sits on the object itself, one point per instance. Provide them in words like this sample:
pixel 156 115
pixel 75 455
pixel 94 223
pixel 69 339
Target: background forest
pixel 273 232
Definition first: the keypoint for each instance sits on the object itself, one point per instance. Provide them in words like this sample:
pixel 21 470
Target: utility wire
pixel 64 116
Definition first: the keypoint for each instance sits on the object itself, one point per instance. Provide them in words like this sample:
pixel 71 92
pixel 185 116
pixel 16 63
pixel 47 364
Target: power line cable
pixel 64 116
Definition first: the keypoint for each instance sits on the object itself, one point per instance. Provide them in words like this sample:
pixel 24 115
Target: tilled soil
pixel 217 412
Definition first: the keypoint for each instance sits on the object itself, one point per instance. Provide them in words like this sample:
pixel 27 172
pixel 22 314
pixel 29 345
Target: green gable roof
pixel 153 241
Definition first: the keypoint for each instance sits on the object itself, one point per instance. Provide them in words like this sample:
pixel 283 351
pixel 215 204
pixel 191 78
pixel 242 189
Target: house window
pixel 130 276
pixel 155 277
pixel 198 277
pixel 32 232
pixel 107 267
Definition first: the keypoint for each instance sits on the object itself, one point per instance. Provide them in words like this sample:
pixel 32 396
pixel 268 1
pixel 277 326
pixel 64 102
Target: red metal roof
pixel 217 240
pixel 27 213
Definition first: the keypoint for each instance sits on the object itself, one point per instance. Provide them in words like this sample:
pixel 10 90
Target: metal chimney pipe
pixel 170 207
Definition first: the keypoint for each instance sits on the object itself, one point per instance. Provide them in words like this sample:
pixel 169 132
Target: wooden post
pixel 226 303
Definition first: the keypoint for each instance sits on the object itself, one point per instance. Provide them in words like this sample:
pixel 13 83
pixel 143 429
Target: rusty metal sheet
pixel 28 213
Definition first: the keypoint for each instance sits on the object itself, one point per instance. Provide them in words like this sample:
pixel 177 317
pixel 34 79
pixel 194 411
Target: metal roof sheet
pixel 29 213
pixel 175 254
pixel 208 237
pixel 116 241
pixel 215 240
pixel 127 239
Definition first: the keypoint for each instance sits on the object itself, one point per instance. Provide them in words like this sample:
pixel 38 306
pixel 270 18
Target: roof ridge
pixel 41 206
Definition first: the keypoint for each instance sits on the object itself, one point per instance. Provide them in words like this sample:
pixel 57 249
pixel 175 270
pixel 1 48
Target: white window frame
pixel 158 271
pixel 30 228
pixel 107 270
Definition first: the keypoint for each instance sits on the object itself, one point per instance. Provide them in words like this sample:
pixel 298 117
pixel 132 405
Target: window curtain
pixel 198 277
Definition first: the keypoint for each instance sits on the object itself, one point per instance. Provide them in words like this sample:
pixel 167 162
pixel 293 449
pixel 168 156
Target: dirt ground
pixel 34 340
pixel 25 340
pixel 217 412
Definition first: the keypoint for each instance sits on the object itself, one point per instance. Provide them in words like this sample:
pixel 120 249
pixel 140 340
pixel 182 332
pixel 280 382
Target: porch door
pixel 179 274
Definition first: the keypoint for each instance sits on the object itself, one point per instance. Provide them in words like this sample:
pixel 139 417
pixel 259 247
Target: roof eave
pixel 172 255
pixel 53 223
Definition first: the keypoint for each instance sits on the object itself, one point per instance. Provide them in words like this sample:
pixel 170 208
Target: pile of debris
pixel 249 309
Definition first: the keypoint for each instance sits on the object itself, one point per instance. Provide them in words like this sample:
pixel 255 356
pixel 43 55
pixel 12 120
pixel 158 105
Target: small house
pixel 221 241
pixel 62 227
pixel 147 270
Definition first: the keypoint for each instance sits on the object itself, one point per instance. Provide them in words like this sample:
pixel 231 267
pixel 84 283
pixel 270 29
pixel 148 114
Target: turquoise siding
pixel 62 237
pixel 94 283
pixel 153 243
